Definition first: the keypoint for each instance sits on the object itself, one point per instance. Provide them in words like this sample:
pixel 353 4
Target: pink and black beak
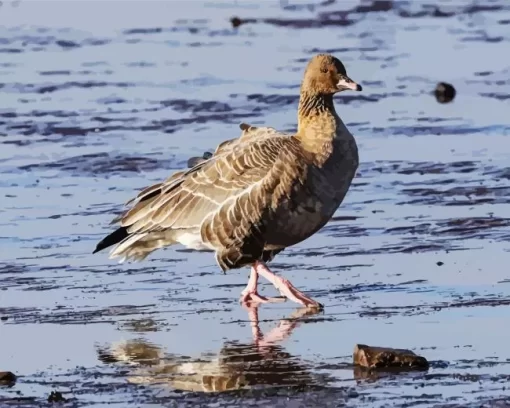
pixel 347 83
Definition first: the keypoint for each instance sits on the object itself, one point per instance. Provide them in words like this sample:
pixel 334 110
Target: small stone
pixel 439 263
pixel 236 22
pixel 4 318
pixel 444 92
pixel 385 357
pixel 6 377
pixel 56 396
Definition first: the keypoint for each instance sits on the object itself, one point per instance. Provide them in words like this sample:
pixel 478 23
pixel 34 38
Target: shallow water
pixel 100 99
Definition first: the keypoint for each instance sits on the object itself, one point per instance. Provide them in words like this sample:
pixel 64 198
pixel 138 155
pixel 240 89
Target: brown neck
pixel 313 106
pixel 317 121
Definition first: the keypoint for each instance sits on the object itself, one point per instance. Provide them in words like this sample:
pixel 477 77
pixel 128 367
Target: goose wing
pixel 226 199
pixel 248 133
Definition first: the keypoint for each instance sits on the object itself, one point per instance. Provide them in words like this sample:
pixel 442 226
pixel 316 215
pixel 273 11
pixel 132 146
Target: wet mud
pixel 98 104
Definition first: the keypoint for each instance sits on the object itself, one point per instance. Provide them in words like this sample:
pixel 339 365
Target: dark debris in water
pixel 423 168
pixel 56 396
pixel 50 87
pixel 445 92
pixel 65 316
pixel 457 228
pixel 104 164
pixel 426 309
pixel 196 106
pixel 7 378
pixel 459 196
pixel 351 16
pixel 237 22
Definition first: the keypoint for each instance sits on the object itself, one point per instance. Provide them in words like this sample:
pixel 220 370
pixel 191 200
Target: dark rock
pixel 439 263
pixel 444 92
pixel 385 357
pixel 236 22
pixel 56 396
pixel 7 378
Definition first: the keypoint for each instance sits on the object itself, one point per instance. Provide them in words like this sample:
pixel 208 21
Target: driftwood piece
pixel 390 358
pixel 6 377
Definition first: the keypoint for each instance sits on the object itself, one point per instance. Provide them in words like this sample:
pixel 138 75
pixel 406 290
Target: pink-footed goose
pixel 256 195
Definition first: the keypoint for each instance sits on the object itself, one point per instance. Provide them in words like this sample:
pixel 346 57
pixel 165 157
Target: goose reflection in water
pixel 261 363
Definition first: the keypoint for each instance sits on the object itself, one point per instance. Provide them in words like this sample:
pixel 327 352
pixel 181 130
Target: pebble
pixel 56 396
pixel 7 377
pixel 386 357
pixel 236 22
pixel 444 92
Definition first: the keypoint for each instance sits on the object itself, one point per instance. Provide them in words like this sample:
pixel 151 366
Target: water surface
pixel 100 99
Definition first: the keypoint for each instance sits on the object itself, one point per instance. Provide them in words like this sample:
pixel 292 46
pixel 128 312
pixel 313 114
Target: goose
pixel 257 194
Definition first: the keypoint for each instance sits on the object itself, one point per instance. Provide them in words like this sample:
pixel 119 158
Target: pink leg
pixel 250 294
pixel 286 288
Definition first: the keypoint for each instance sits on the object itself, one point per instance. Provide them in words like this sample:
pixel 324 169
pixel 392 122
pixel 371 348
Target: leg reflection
pixel 279 333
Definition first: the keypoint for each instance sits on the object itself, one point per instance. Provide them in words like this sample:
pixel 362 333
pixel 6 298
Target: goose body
pixel 257 194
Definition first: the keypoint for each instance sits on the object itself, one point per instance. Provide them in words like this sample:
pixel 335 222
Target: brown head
pixel 326 75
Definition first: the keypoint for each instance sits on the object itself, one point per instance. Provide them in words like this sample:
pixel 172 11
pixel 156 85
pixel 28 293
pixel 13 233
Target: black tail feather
pixel 114 238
